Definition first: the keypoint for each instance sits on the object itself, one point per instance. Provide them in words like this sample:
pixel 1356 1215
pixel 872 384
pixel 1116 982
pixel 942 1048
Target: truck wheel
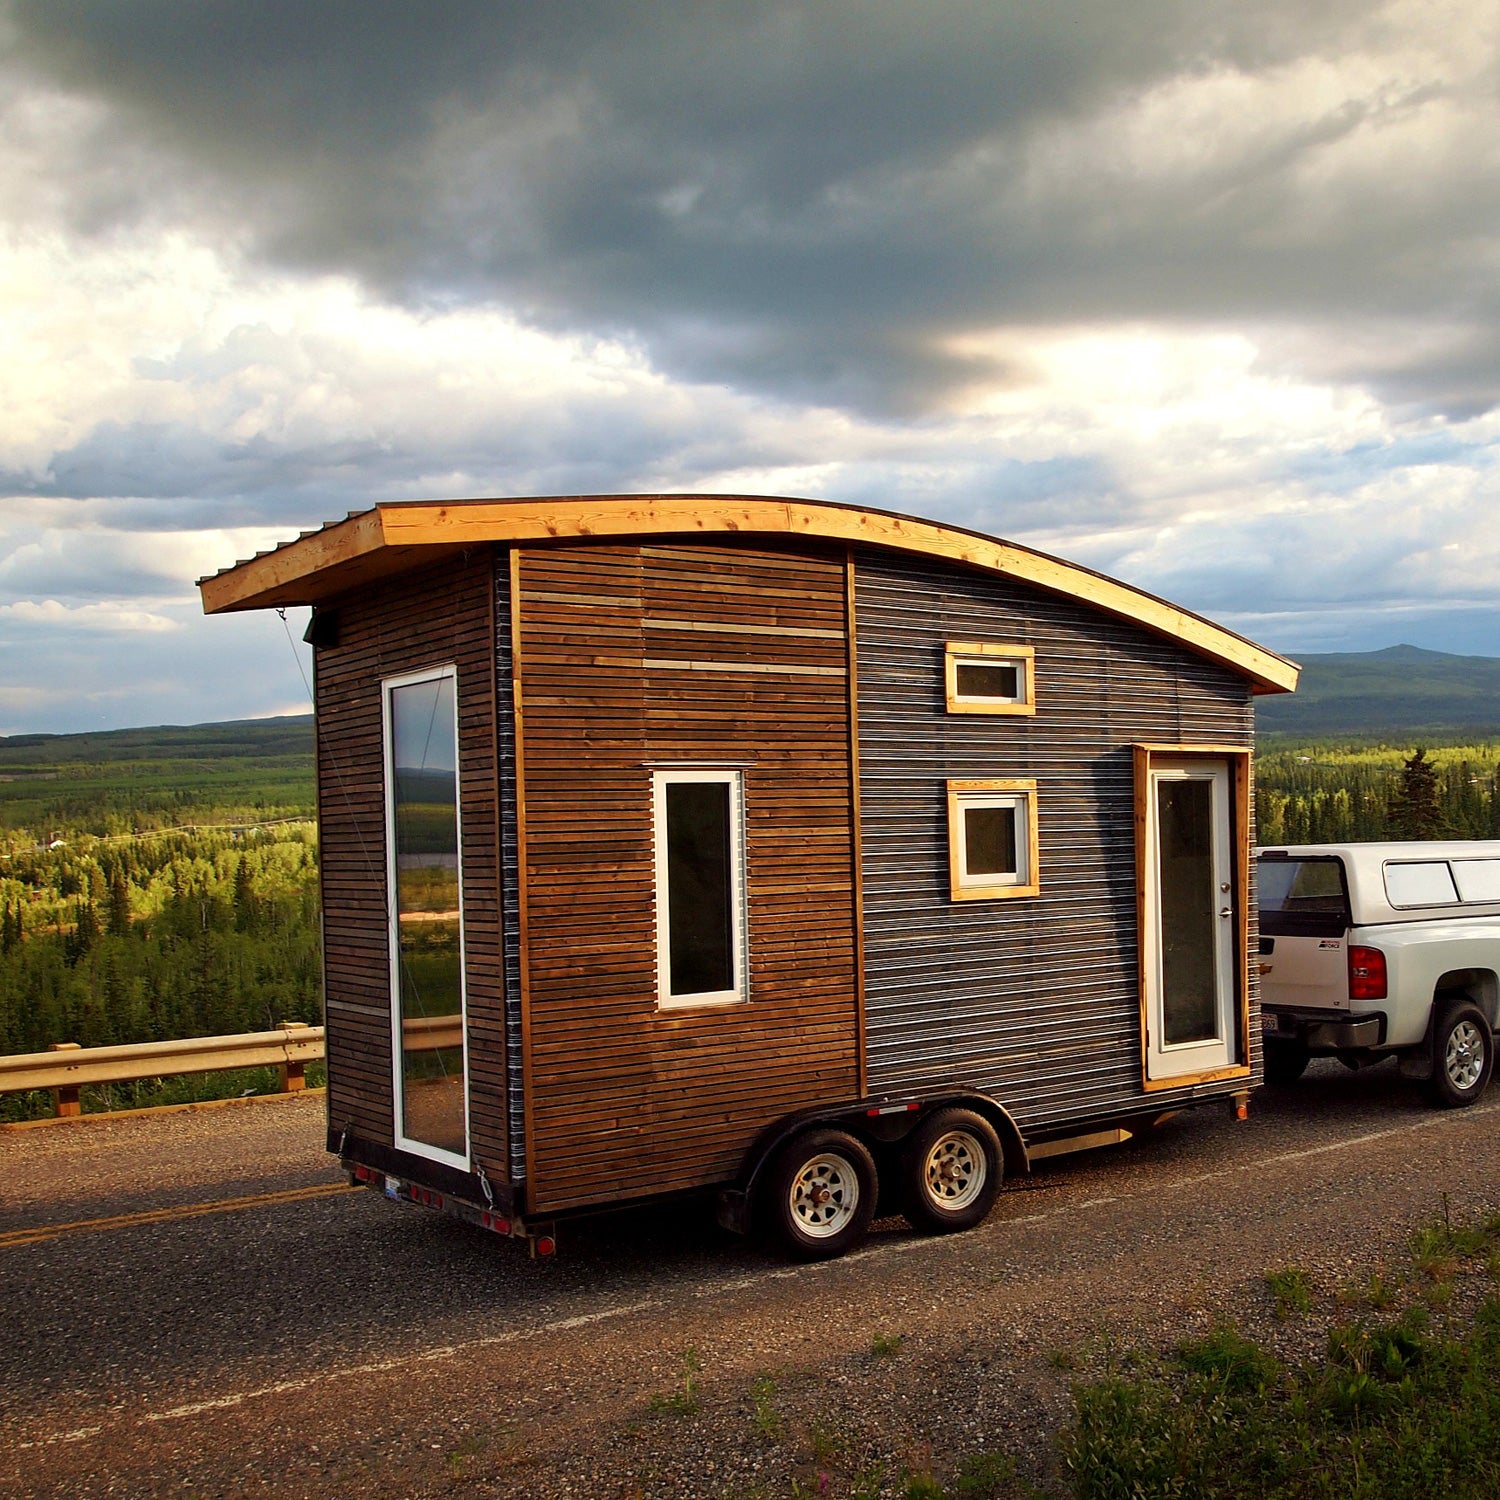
pixel 819 1194
pixel 1286 1062
pixel 1463 1053
pixel 951 1170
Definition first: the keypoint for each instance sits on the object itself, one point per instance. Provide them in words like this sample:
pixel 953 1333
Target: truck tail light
pixel 1366 973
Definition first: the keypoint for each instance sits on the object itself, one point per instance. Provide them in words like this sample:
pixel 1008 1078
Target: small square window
pixel 992 839
pixel 982 677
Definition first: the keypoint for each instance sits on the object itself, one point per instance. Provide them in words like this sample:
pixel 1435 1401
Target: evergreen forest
pixel 160 884
pixel 156 884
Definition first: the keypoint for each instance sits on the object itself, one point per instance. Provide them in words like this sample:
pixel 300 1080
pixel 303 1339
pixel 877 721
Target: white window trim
pixel 989 654
pixel 393 923
pixel 1020 794
pixel 734 779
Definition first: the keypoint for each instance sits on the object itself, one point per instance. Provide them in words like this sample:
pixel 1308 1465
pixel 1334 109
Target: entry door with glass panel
pixel 1191 920
pixel 425 885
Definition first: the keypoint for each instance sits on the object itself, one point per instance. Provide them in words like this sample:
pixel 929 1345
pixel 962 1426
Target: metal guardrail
pixel 66 1067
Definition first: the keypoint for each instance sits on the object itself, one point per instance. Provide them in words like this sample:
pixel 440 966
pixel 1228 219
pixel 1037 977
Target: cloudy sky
pixel 1202 294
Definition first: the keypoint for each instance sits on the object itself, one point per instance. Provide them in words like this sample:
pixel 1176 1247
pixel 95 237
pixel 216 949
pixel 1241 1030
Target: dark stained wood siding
pixel 428 618
pixel 639 655
pixel 1035 998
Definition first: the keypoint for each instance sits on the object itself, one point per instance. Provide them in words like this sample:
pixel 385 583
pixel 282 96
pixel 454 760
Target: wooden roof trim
pixel 323 563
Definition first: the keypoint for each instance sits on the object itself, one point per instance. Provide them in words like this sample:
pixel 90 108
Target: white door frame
pixel 1166 1063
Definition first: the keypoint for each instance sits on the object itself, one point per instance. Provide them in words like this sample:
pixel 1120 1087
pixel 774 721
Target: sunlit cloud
pixel 1207 299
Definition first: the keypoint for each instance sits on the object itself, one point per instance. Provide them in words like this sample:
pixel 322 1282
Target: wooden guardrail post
pixel 293 1076
pixel 65 1102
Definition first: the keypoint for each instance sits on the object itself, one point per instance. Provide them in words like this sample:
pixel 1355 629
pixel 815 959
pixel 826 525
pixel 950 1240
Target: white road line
pixel 1065 1210
pixel 370 1367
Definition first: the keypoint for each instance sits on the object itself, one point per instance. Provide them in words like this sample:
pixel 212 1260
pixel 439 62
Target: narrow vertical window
pixel 699 886
pixel 425 896
pixel 992 839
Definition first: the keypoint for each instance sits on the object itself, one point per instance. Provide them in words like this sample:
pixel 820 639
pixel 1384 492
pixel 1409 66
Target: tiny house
pixel 807 853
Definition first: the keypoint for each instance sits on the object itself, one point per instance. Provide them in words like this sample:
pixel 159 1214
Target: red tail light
pixel 1366 973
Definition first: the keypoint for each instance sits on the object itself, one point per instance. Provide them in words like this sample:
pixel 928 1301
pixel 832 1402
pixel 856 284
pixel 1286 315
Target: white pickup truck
pixel 1370 950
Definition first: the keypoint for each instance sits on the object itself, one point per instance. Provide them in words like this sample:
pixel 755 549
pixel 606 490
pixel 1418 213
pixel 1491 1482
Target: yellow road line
pixel 40 1232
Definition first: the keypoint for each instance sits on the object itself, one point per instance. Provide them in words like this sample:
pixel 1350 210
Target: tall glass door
pixel 425 904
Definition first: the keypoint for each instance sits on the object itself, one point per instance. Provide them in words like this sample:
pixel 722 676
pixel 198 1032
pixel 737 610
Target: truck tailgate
pixel 1304 972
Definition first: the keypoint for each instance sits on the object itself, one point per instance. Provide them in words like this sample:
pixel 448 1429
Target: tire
pixel 819 1194
pixel 1286 1062
pixel 951 1170
pixel 1463 1053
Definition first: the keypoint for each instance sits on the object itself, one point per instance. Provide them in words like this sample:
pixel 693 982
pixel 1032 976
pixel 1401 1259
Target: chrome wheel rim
pixel 824 1195
pixel 955 1170
pixel 1463 1059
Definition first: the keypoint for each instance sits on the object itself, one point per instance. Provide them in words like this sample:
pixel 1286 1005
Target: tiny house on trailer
pixel 808 853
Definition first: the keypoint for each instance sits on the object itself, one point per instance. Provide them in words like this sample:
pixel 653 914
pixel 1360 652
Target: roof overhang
pixel 319 566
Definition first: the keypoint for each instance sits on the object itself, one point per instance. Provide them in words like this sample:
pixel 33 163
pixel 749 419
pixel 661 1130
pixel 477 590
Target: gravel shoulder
pixel 343 1345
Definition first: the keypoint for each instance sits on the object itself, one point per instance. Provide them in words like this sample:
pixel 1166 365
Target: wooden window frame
pixel 1020 793
pixel 989 653
pixel 1238 757
pixel 404 1142
pixel 734 778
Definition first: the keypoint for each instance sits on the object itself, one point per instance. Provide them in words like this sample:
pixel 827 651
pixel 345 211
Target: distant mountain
pixel 238 739
pixel 1400 691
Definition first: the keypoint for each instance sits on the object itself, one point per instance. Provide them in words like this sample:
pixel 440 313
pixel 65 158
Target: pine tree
pixel 117 913
pixel 245 907
pixel 84 935
pixel 1415 810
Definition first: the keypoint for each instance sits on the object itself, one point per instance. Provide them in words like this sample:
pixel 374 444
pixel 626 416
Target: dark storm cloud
pixel 805 199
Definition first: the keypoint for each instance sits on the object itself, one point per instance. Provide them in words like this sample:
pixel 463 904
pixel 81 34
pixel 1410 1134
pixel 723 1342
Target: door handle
pixel 1225 911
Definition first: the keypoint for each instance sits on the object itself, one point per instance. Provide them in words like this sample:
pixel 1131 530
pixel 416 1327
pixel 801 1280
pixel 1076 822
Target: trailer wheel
pixel 1286 1061
pixel 819 1194
pixel 1463 1053
pixel 951 1170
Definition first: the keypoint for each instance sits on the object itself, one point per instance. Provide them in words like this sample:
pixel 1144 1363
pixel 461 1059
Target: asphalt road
pixel 195 1304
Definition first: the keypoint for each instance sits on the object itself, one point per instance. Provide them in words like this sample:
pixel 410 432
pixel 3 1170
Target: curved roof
pixel 320 565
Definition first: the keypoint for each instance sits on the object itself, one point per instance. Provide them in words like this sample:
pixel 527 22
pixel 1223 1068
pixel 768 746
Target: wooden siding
pixel 637 656
pixel 439 614
pixel 1035 999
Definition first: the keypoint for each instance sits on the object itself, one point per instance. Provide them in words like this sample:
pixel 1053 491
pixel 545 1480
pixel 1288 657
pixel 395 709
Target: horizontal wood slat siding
pixel 428 618
pixel 1034 998
pixel 628 1099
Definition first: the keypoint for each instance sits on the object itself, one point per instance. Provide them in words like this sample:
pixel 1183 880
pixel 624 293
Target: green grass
pixel 1292 1290
pixel 683 1399
pixel 1401 1402
pixel 766 1418
pixel 1396 1407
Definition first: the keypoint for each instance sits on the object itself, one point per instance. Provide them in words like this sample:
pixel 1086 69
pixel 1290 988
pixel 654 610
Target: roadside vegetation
pixel 163 883
pixel 1331 792
pixel 1403 1402
pixel 165 887
pixel 1392 1392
